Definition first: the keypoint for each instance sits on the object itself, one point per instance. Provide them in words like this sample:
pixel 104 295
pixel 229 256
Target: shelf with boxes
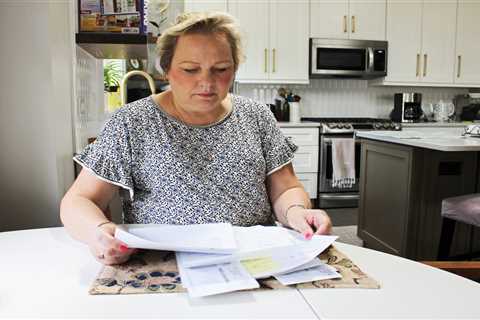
pixel 119 29
pixel 115 45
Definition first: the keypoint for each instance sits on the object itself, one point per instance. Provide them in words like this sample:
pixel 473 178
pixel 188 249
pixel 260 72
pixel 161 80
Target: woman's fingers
pixel 109 250
pixel 299 222
pixel 310 222
pixel 321 222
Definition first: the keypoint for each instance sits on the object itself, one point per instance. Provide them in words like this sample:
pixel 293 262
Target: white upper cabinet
pixel 367 19
pixel 276 40
pixel 329 19
pixel 404 32
pixel 348 19
pixel 438 39
pixel 289 41
pixel 421 40
pixel 467 62
pixel 205 5
pixel 254 22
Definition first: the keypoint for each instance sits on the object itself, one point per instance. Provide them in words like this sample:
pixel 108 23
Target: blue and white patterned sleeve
pixel 109 157
pixel 278 150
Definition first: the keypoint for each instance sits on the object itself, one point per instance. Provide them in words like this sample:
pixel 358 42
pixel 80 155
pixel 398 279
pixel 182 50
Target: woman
pixel 192 154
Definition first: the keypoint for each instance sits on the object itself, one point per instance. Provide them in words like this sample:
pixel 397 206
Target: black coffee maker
pixel 407 107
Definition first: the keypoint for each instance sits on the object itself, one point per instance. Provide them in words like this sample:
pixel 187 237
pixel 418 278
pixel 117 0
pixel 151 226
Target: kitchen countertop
pixel 303 124
pixel 437 124
pixel 309 124
pixel 441 140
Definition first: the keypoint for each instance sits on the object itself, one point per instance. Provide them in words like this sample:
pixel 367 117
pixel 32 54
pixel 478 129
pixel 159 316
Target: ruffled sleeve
pixel 110 156
pixel 278 150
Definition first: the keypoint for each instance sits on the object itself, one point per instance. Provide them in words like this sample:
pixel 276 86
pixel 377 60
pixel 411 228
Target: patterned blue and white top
pixel 182 174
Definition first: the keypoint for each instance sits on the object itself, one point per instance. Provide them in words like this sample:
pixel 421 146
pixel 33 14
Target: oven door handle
pixel 328 141
pixel 337 196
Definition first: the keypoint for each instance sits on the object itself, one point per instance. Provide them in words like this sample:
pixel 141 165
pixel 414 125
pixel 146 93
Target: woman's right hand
pixel 106 249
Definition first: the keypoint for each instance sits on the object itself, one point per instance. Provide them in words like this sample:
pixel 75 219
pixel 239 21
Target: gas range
pixel 350 125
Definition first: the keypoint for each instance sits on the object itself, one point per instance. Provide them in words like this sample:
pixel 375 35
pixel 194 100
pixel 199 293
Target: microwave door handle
pixel 370 59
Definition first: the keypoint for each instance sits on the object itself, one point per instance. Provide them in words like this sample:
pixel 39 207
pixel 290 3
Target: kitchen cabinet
pixel 467 66
pixel 205 5
pixel 276 41
pixel 348 19
pixel 305 162
pixel 421 38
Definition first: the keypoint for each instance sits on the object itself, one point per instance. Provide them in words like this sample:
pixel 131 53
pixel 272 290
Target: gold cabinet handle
pixel 273 60
pixel 344 24
pixel 425 65
pixel 459 67
pixel 353 24
pixel 265 62
pixel 417 73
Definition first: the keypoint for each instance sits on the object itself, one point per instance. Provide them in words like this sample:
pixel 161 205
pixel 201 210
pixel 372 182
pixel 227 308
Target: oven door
pixel 329 196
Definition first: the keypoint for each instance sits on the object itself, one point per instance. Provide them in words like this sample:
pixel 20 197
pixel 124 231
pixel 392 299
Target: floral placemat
pixel 156 272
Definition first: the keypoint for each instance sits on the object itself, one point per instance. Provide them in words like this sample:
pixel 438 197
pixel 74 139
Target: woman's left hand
pixel 309 221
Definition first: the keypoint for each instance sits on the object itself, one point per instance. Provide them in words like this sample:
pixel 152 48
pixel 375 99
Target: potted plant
pixel 112 75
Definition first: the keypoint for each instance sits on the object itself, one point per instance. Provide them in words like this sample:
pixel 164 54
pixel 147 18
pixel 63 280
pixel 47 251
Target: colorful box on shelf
pixel 120 16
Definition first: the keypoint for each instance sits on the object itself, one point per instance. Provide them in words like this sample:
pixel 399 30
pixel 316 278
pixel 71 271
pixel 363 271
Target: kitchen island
pixel 404 177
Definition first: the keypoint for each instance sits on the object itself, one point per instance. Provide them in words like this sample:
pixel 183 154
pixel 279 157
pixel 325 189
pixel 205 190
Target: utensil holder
pixel 294 112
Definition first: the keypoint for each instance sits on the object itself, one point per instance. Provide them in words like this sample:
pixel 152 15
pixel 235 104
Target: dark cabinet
pixel 401 190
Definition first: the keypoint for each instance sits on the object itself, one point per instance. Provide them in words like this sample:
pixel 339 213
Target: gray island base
pixel 401 189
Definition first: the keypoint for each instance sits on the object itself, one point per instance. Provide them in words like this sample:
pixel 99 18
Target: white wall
pixel 35 112
pixel 348 98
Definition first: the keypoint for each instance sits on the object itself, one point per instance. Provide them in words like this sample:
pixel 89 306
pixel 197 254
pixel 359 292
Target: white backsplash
pixel 346 98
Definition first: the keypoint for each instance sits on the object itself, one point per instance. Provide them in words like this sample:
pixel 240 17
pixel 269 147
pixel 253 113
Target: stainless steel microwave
pixel 348 58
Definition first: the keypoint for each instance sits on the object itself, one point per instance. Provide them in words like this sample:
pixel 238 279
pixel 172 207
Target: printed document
pixel 215 279
pixel 314 273
pixel 206 238
pixel 265 251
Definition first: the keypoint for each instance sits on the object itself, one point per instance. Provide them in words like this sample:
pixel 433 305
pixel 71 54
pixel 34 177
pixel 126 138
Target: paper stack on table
pixel 218 258
pixel 210 238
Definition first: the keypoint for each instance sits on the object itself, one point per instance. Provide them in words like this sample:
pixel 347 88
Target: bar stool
pixel 464 209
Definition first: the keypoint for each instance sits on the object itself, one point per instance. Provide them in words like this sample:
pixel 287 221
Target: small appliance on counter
pixel 467 107
pixel 407 107
pixel 470 112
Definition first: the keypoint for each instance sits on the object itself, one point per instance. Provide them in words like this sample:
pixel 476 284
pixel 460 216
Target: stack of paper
pixel 210 238
pixel 218 258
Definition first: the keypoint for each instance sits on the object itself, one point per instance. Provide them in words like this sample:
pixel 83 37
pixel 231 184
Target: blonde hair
pixel 200 23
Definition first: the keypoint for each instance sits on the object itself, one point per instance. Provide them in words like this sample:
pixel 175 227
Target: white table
pixel 47 274
pixel 409 290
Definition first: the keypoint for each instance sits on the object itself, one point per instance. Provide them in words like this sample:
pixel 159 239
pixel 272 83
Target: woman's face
pixel 201 71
